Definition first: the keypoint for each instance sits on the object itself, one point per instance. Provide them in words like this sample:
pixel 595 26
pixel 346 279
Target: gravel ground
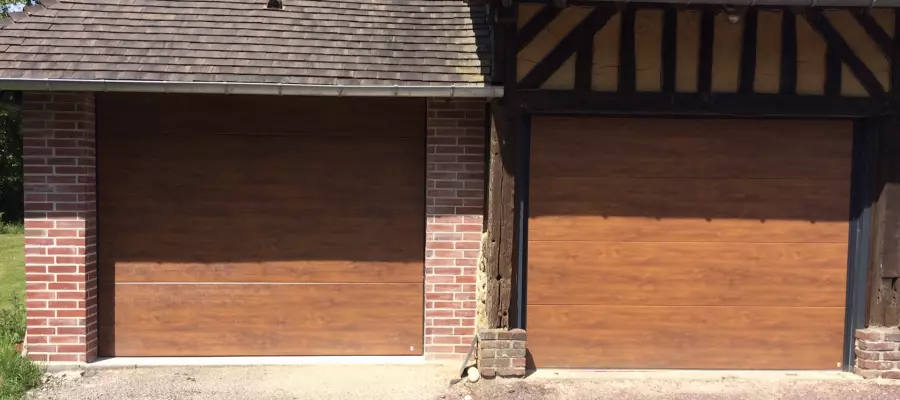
pixel 250 383
pixel 676 389
pixel 430 383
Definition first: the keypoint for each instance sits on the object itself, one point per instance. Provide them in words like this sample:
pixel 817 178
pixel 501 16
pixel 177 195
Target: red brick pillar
pixel 60 226
pixel 455 200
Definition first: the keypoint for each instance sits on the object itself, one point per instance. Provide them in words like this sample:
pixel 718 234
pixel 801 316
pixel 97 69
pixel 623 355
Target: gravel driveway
pixel 432 383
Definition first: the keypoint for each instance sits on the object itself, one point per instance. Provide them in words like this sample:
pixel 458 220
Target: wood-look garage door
pixel 684 243
pixel 260 226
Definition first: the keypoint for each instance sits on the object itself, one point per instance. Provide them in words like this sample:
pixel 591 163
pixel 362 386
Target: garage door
pixel 260 226
pixel 688 243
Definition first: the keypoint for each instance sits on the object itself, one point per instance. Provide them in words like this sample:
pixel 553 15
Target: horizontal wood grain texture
pixel 759 199
pixel 243 202
pixel 259 320
pixel 298 234
pixel 791 338
pixel 651 147
pixel 190 114
pixel 683 229
pixel 687 274
pixel 673 243
pixel 292 271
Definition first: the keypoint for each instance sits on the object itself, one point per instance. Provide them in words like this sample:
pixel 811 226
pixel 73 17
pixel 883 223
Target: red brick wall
pixel 60 230
pixel 60 207
pixel 878 352
pixel 456 139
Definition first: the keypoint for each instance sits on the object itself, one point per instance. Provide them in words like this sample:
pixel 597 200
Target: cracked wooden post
pixel 495 266
pixel 884 267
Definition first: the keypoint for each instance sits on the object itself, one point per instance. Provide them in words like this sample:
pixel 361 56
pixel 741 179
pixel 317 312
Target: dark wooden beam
pixel 669 49
pixel 627 68
pixel 536 24
pixel 707 40
pixel 698 104
pixel 595 20
pixel 837 44
pixel 895 62
pixel 498 44
pixel 584 63
pixel 875 32
pixel 748 52
pixel 833 70
pixel 788 80
pixel 507 22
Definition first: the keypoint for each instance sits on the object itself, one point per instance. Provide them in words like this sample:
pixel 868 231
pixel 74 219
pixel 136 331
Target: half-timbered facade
pixel 700 186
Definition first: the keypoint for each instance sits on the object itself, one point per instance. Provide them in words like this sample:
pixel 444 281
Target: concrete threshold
pixel 149 362
pixel 691 374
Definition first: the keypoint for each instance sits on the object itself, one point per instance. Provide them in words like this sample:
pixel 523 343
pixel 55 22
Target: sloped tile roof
pixel 350 42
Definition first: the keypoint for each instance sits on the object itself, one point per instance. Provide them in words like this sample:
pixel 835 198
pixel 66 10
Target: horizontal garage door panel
pixel 686 337
pixel 689 274
pixel 262 115
pixel 298 271
pixel 649 147
pixel 265 249
pixel 229 162
pixel 688 243
pixel 674 229
pixel 705 198
pixel 252 320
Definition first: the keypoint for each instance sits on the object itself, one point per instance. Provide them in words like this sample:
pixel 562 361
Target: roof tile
pixel 422 42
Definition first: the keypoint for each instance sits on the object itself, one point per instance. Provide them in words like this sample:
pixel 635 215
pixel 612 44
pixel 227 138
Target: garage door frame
pixel 172 127
pixel 864 156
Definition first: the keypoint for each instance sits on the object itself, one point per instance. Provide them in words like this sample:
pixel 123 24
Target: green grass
pixel 12 268
pixel 17 374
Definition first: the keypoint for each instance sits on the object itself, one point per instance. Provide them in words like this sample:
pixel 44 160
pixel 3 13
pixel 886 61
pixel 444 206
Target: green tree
pixel 11 189
pixel 7 6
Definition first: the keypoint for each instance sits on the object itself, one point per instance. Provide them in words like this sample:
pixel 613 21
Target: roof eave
pixel 276 89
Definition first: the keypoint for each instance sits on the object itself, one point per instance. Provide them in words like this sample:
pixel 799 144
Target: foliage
pixel 7 6
pixel 17 374
pixel 11 193
pixel 10 228
pixel 12 321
